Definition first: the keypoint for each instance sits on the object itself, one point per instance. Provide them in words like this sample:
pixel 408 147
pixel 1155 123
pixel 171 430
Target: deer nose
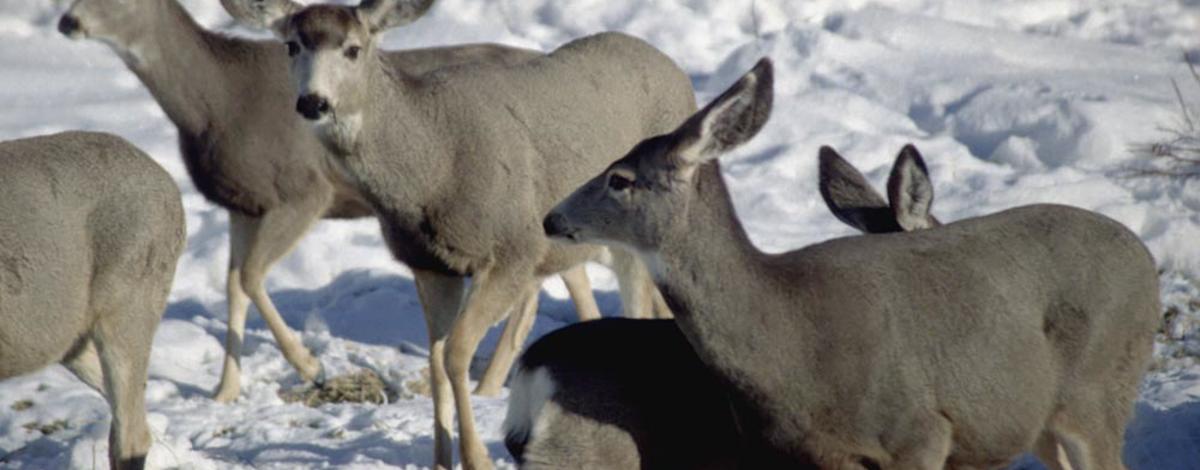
pixel 555 225
pixel 68 24
pixel 312 106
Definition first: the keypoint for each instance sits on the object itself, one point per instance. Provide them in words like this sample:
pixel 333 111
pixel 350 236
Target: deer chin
pixel 339 133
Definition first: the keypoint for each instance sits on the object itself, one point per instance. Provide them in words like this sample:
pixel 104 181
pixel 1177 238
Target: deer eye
pixel 352 52
pixel 619 182
pixel 293 48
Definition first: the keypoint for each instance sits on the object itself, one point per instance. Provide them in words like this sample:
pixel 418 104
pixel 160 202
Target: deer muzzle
pixel 68 25
pixel 312 106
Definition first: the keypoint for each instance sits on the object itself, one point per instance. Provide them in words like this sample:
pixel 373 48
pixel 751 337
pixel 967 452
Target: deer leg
pixel 580 288
pixel 929 446
pixel 1093 449
pixel 84 362
pixel 492 294
pixel 241 229
pixel 1050 453
pixel 520 321
pixel 122 342
pixel 637 287
pixel 277 233
pixel 661 310
pixel 441 297
pixel 516 329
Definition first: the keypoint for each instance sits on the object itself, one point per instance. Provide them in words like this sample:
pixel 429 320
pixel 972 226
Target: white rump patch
pixel 530 392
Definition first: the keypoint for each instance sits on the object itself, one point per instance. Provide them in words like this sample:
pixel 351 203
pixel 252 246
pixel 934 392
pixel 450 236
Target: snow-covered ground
pixel 1011 102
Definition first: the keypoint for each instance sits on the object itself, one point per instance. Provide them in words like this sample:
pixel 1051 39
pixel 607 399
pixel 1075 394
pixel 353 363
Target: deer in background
pixel 90 231
pixel 572 408
pixel 961 346
pixel 852 200
pixel 246 151
pixel 461 164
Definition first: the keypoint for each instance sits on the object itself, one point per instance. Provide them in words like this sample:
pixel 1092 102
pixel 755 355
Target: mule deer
pixel 572 408
pixel 961 346
pixel 247 152
pixel 460 164
pixel 90 231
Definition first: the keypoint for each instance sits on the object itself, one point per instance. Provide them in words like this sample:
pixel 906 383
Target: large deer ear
pixel 386 14
pixel 910 191
pixel 261 14
pixel 731 119
pixel 850 197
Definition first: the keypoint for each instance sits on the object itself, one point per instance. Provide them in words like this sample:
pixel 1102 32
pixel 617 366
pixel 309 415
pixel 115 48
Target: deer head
pixel 643 196
pixel 332 50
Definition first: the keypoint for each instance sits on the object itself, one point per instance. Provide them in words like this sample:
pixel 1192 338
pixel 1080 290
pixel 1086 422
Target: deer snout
pixel 68 25
pixel 312 106
pixel 555 226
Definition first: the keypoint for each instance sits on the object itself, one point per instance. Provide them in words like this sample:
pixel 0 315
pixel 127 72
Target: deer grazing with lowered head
pixel 961 346
pixel 572 408
pixel 461 164
pixel 90 231
pixel 247 152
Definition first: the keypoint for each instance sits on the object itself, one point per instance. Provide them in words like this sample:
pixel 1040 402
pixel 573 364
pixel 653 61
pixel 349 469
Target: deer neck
pixel 727 298
pixel 177 61
pixel 399 157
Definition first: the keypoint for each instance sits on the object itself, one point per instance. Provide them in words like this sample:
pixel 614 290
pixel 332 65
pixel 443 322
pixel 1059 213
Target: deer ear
pixel 850 197
pixel 910 191
pixel 731 119
pixel 386 14
pixel 261 14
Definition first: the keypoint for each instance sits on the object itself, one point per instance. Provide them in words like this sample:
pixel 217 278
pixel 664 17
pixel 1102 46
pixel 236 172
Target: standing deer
pixel 572 408
pixel 90 231
pixel 461 164
pixel 247 152
pixel 961 346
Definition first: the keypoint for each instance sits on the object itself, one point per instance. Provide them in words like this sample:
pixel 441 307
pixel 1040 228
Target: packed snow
pixel 1011 101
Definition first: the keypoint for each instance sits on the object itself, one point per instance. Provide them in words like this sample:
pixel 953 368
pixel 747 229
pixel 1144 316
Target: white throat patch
pixel 340 132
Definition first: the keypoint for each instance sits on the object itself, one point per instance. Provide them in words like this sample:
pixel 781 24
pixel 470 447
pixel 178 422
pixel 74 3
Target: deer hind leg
pixel 123 340
pixel 1050 453
pixel 84 362
pixel 493 293
pixel 276 233
pixel 441 298
pixel 929 445
pixel 516 329
pixel 1090 444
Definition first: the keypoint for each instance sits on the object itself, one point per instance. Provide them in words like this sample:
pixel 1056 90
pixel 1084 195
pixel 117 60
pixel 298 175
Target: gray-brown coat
pixel 90 231
pixel 244 147
pixel 460 164
pixel 961 346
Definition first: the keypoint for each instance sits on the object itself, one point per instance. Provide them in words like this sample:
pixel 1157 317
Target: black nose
pixel 555 225
pixel 68 25
pixel 312 106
